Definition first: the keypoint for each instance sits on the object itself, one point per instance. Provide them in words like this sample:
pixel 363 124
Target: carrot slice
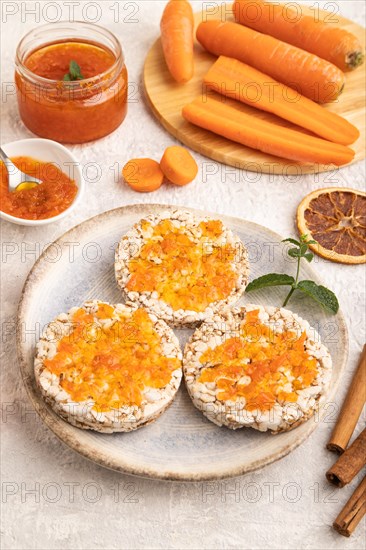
pixel 143 175
pixel 234 79
pixel 178 165
pixel 334 44
pixel 242 124
pixel 309 75
pixel 177 26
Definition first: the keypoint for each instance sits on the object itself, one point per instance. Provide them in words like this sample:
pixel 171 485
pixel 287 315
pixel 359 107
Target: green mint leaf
pixel 75 71
pixel 292 241
pixel 303 249
pixel 294 253
pixel 272 279
pixel 304 239
pixel 309 256
pixel 321 294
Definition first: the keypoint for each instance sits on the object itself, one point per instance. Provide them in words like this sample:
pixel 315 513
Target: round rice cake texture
pixel 181 268
pixel 108 368
pixel 258 367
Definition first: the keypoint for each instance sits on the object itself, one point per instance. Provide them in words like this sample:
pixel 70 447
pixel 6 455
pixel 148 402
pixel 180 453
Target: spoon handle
pixel 11 168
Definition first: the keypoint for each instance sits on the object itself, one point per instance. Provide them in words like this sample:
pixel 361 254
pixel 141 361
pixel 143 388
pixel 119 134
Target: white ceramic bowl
pixel 46 150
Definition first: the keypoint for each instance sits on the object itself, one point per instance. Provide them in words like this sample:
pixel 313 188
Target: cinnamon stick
pixel 351 408
pixel 349 463
pixel 353 511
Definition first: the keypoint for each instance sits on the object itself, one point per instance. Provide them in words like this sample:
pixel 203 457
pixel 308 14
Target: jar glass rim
pixel 120 58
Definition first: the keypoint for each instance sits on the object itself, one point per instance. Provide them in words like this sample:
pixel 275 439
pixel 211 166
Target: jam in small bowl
pixel 59 193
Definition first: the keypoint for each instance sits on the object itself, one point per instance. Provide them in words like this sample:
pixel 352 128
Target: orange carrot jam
pixel 270 359
pixel 54 195
pixel 189 275
pixel 52 61
pixel 78 111
pixel 111 365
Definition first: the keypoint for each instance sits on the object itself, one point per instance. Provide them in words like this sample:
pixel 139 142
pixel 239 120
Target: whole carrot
pixel 242 124
pixel 334 44
pixel 177 26
pixel 311 76
pixel 235 79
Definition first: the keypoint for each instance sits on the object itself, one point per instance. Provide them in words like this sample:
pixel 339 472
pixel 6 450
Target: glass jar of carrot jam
pixel 71 111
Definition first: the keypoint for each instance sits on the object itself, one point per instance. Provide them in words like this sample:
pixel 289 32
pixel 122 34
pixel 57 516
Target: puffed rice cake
pixel 181 268
pixel 108 368
pixel 258 367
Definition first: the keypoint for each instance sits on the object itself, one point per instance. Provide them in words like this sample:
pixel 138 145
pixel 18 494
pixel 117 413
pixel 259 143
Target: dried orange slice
pixel 335 217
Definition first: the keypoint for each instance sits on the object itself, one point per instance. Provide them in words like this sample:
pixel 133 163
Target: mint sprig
pixel 325 297
pixel 74 72
pixel 272 279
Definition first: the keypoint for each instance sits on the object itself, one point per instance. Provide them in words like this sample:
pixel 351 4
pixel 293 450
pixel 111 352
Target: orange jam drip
pixel 190 275
pixel 111 366
pixel 273 358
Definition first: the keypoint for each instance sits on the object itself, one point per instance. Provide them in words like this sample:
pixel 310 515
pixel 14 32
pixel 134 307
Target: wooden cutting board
pixel 167 98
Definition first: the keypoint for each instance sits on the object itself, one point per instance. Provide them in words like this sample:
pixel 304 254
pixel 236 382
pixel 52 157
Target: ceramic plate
pixel 182 444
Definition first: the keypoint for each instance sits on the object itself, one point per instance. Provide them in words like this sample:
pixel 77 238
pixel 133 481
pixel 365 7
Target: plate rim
pixel 57 425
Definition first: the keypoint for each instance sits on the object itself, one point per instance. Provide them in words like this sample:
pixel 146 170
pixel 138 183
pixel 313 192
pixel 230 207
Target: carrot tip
pixel 354 60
